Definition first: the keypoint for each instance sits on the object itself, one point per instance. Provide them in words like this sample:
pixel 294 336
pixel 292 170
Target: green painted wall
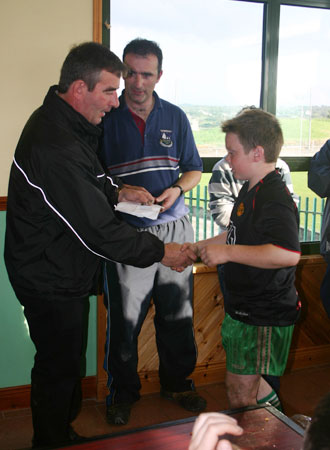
pixel 16 348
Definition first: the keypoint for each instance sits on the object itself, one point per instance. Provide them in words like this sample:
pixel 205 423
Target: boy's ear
pixel 258 153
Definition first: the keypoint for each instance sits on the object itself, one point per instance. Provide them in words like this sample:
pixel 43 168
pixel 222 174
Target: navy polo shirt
pixel 155 162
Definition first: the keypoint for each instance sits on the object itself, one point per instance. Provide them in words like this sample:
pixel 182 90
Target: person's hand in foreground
pixel 209 427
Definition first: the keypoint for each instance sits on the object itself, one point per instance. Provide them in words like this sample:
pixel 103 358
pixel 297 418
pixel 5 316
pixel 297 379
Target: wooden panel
pixel 315 325
pixel 19 396
pixel 310 345
pixel 3 203
pixel 311 339
pixel 208 315
pixel 97 21
pixel 148 357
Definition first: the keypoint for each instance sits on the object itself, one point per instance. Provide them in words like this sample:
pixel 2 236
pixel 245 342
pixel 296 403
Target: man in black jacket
pixel 61 226
pixel 319 182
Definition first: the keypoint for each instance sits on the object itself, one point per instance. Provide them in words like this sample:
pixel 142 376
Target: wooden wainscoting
pixel 310 345
pixel 311 340
pixel 19 396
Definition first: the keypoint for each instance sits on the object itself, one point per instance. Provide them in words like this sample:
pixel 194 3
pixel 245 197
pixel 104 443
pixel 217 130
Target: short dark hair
pixel 143 47
pixel 85 62
pixel 317 435
pixel 254 127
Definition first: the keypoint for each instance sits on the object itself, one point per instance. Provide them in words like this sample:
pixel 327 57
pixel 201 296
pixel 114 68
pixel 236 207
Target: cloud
pixel 212 48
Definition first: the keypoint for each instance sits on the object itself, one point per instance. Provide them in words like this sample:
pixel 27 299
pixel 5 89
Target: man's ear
pixel 159 76
pixel 258 153
pixel 79 88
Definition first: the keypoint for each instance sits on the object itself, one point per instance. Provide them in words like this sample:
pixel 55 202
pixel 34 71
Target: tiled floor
pixel 300 392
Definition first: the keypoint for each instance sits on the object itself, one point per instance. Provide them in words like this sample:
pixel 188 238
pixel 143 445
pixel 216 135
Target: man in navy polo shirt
pixel 148 142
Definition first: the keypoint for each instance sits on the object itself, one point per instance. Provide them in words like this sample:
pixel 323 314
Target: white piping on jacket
pixel 57 212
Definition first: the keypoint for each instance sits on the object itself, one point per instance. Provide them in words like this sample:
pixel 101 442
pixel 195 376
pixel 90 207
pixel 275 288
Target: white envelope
pixel 136 209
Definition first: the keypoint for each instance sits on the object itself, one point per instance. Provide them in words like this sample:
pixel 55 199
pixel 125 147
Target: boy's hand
pixel 214 254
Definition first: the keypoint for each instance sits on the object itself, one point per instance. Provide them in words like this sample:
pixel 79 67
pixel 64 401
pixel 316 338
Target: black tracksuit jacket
pixel 60 219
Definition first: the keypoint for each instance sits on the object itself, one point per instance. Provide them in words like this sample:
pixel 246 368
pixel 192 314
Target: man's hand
pixel 177 259
pixel 207 429
pixel 193 247
pixel 190 248
pixel 136 194
pixel 168 197
pixel 187 181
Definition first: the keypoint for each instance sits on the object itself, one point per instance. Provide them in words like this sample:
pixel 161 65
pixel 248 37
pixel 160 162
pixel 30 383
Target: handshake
pixel 179 256
pixel 211 251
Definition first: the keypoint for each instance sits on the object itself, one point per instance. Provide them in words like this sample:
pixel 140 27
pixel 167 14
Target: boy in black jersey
pixel 260 250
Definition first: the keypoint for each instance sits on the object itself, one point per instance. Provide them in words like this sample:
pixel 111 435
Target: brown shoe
pixel 189 400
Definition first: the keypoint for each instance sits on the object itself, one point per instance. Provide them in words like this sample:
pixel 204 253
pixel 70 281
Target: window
pixel 221 55
pixel 212 57
pixel 303 91
pixel 303 98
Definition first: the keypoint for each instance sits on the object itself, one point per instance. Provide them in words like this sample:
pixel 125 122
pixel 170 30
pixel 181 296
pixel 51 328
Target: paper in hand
pixel 136 209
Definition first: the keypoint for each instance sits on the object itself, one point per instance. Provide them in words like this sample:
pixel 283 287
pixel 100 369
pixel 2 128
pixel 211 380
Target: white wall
pixel 35 36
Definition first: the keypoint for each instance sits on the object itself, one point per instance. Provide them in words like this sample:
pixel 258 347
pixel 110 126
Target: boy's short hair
pixel 254 127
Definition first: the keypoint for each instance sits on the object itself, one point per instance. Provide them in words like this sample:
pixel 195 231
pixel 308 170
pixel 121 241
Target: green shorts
pixel 254 349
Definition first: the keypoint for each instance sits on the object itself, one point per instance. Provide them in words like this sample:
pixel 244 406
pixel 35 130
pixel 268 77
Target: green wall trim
pixel 16 348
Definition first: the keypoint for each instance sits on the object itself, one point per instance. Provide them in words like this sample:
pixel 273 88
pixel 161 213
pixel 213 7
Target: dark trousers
pixel 58 329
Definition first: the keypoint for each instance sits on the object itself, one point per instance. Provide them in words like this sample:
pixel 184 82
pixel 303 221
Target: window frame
pixel 270 39
pixel 269 68
pixel 270 45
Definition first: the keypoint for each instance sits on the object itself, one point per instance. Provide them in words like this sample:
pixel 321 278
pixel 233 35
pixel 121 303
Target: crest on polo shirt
pixel 166 138
pixel 240 210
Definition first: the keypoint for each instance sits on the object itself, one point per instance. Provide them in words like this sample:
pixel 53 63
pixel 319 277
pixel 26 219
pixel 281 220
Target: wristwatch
pixel 180 187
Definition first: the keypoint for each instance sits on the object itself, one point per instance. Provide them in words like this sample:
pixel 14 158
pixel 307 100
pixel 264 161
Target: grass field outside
pixel 301 137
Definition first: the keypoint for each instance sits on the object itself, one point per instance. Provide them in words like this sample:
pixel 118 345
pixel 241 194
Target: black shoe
pixel 189 400
pixel 118 414
pixel 73 437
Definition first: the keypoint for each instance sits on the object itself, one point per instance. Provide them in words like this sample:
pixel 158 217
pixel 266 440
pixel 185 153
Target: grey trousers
pixel 130 293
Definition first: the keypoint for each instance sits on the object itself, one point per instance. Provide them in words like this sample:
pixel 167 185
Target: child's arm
pixel 220 239
pixel 267 256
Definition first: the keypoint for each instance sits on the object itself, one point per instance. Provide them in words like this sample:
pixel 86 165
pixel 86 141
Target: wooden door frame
pixel 97 21
pixel 101 22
